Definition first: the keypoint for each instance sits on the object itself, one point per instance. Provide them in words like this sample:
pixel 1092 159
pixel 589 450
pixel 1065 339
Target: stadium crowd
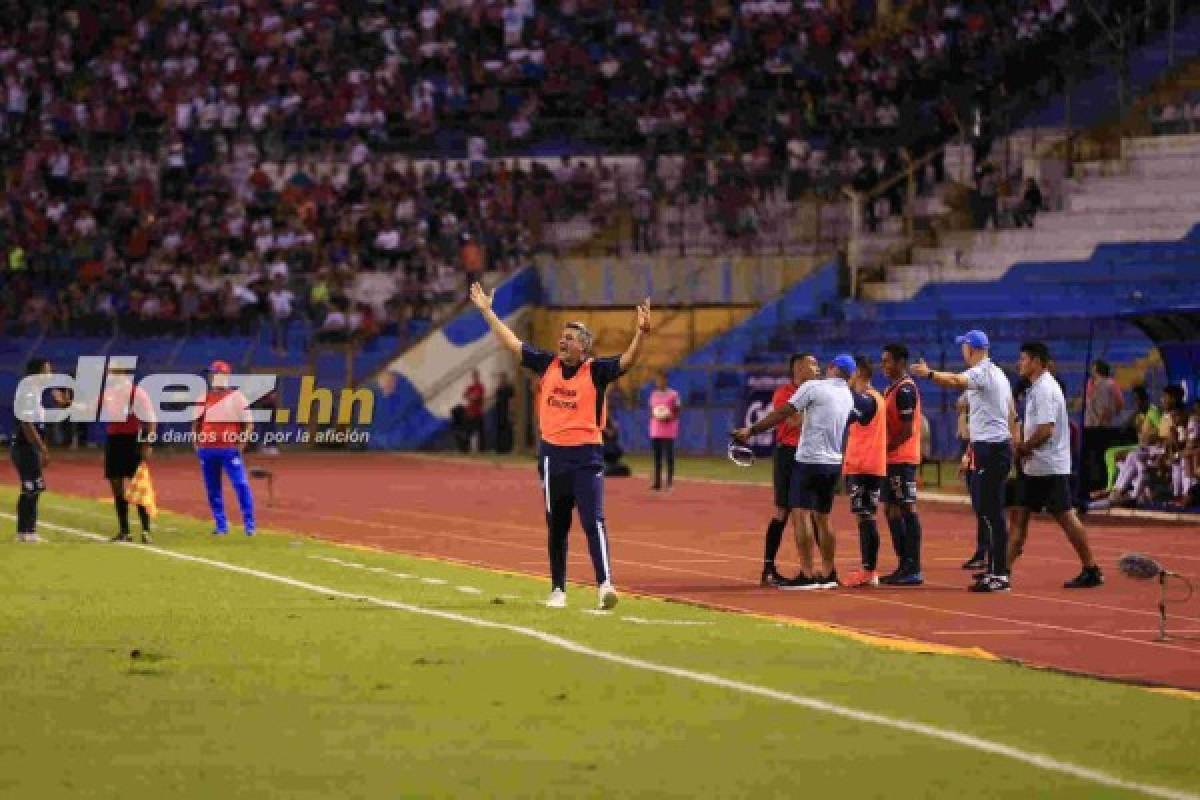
pixel 139 135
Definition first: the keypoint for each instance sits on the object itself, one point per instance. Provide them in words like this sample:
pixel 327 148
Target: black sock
pixel 912 540
pixel 868 542
pixel 774 539
pixel 898 529
pixel 122 506
pixel 144 518
pixel 26 512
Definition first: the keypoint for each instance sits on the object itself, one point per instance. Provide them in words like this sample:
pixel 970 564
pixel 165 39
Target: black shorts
pixel 1050 493
pixel 29 468
pixel 864 491
pixel 900 489
pixel 1012 491
pixel 122 455
pixel 781 474
pixel 813 486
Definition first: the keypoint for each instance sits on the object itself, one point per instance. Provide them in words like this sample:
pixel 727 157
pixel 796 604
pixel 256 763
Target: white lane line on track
pixel 946 735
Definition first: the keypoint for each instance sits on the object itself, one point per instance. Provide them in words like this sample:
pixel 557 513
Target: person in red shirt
pixel 473 397
pixel 801 367
pixel 220 435
pixel 130 425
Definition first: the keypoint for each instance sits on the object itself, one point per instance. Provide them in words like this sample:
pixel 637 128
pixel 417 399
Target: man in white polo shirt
pixel 1045 453
pixel 992 422
pixel 827 406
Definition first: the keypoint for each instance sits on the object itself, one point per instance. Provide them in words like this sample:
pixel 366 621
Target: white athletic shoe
pixel 28 538
pixel 557 599
pixel 606 596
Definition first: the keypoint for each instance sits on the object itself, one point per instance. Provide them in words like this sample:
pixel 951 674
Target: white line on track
pixel 980 633
pixel 947 735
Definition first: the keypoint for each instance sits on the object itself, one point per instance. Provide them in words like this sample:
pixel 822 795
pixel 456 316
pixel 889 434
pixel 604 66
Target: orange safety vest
pixel 570 411
pixel 907 452
pixel 866 447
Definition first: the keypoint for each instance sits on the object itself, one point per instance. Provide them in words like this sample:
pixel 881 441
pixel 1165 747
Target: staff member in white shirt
pixel 991 422
pixel 827 406
pixel 1045 453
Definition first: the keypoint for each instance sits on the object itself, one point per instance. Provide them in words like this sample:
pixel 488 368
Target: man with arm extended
pixel 802 367
pixel 571 413
pixel 989 395
pixel 827 405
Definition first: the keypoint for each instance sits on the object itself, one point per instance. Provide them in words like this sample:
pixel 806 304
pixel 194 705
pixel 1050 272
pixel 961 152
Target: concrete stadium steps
pixel 1152 195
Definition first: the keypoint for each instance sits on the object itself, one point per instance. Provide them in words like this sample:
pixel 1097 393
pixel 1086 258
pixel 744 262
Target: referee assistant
pixel 128 412
pixel 801 367
pixel 992 421
pixel 571 416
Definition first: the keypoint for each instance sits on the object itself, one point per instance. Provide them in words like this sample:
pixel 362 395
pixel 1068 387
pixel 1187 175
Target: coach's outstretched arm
pixel 947 380
pixel 634 351
pixel 483 301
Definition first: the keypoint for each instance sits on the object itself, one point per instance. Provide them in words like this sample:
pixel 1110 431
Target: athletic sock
pixel 912 540
pixel 144 518
pixel 122 506
pixel 774 539
pixel 25 513
pixel 898 528
pixel 868 542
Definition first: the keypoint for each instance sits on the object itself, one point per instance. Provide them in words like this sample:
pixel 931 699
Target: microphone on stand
pixel 1144 568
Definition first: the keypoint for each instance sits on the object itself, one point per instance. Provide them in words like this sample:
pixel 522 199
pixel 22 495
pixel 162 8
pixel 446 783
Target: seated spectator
pixel 335 328
pixel 1031 203
pixel 1152 457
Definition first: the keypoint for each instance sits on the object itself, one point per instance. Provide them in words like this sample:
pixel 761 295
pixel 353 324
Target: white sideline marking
pixel 378 570
pixel 965 740
pixel 644 621
pixel 469 590
pixel 434 581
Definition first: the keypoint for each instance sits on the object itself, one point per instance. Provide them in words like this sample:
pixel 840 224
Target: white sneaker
pixel 557 599
pixel 29 538
pixel 606 596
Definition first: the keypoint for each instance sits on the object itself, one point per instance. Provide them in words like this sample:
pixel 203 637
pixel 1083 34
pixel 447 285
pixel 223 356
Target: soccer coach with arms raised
pixel 571 415
pixel 992 422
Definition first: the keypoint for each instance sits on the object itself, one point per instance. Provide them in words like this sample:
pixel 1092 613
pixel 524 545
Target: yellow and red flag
pixel 140 490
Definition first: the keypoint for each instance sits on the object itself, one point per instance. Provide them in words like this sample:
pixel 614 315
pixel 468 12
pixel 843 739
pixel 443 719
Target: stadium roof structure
pixel 1176 334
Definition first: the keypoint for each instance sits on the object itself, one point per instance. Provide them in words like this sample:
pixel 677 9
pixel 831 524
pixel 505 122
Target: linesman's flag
pixel 140 490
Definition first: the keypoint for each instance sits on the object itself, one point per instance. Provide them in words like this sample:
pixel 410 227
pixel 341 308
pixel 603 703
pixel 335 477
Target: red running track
pixel 702 543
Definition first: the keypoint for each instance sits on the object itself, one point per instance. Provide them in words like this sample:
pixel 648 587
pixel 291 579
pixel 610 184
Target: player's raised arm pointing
pixel 483 301
pixel 631 354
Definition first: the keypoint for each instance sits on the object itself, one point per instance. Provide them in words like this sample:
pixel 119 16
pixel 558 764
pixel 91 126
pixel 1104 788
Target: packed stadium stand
pixel 309 186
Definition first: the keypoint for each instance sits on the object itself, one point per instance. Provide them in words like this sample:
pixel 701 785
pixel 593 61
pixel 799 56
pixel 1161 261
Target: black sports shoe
pixel 121 537
pixel 771 577
pixel 1090 578
pixel 801 581
pixel 990 583
pixel 975 562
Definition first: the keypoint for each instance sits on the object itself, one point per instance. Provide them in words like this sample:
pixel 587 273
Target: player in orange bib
pixel 571 412
pixel 865 467
pixel 903 405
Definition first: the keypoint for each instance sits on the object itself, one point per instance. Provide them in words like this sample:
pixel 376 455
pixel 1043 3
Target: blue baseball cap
pixel 846 363
pixel 976 339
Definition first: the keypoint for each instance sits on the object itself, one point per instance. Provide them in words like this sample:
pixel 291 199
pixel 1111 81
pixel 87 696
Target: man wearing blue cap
pixel 992 422
pixel 827 406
